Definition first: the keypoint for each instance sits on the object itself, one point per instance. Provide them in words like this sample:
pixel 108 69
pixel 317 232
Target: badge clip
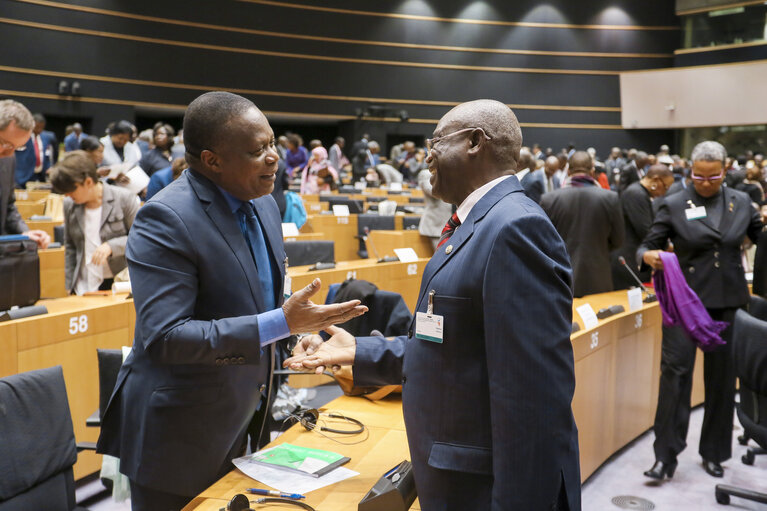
pixel 430 306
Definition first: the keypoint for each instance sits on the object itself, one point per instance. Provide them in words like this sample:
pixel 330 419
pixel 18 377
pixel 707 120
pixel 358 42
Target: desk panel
pixel 52 273
pixel 44 225
pixel 386 241
pixel 341 229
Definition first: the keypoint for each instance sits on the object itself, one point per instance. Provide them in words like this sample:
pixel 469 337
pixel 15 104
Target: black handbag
pixel 19 273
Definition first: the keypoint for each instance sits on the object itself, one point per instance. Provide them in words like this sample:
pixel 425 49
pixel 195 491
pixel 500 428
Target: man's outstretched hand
pixel 311 354
pixel 304 316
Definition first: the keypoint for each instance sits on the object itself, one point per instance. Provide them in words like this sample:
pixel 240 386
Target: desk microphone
pixel 650 296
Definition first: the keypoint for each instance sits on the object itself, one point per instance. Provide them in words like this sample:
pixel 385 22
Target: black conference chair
pixel 371 223
pixel 110 362
pixel 300 253
pixel 37 443
pixel 757 306
pixel 411 222
pixel 355 206
pixel 749 352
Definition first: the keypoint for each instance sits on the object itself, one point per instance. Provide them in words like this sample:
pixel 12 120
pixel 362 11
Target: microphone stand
pixel 649 297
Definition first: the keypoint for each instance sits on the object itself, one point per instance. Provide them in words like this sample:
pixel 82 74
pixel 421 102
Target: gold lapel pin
pixel 732 207
pixel 449 249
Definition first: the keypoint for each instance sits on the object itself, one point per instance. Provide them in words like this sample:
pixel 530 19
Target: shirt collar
pixel 233 202
pixel 468 203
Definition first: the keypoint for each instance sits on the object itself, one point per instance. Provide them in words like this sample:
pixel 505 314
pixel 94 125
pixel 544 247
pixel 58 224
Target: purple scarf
pixel 681 306
pixel 579 181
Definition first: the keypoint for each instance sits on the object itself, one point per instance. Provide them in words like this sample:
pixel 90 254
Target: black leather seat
pixel 749 353
pixel 300 253
pixel 37 443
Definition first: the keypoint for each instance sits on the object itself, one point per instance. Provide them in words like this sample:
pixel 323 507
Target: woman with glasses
pixel 706 223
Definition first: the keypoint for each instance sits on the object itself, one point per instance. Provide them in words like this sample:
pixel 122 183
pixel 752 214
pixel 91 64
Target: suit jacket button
pixel 691 269
pixel 241 360
pixel 219 362
pixel 226 361
pixel 262 388
pixel 716 264
pixel 716 254
pixel 404 380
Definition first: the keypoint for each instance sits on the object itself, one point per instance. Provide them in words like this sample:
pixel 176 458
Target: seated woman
pixel 95 150
pixel 158 157
pixel 318 175
pixel 97 218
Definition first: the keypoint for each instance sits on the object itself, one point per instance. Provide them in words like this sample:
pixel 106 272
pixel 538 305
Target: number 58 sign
pixel 78 324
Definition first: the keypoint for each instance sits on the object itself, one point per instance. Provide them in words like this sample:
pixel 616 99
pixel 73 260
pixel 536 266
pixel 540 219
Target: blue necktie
pixel 254 237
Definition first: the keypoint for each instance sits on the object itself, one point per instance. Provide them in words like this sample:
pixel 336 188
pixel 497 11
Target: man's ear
pixel 210 160
pixel 476 141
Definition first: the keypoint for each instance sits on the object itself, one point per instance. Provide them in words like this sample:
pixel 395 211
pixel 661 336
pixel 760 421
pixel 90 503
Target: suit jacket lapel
pixel 218 210
pixel 107 204
pixel 465 231
pixel 705 220
pixel 728 215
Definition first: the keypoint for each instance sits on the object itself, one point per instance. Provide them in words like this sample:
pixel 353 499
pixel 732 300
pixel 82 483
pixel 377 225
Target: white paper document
pixel 588 316
pixel 288 481
pixel 406 255
pixel 138 180
pixel 340 210
pixel 635 299
pixel 289 229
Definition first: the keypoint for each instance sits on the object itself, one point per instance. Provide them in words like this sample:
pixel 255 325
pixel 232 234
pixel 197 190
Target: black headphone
pixel 241 502
pixel 308 419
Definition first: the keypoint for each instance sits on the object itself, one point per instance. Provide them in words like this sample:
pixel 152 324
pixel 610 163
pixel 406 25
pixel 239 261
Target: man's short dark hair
pixel 207 118
pixel 121 128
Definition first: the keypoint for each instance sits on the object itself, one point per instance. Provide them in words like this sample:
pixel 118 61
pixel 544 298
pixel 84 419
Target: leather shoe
pixel 713 468
pixel 661 470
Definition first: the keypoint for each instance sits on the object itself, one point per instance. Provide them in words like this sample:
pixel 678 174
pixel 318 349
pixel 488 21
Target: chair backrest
pixel 374 223
pixel 37 442
pixel 300 253
pixel 110 362
pixel 749 348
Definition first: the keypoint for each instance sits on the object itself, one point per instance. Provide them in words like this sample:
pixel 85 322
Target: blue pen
pixel 273 493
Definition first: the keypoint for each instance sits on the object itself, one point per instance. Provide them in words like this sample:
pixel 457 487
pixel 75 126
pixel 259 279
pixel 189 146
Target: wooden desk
pixel 27 208
pixel 32 195
pixel 306 236
pixel 44 225
pixel 617 373
pixel 386 241
pixel 52 273
pixel 341 229
pixel 403 278
pixel 316 207
pixel 68 336
pixel 384 447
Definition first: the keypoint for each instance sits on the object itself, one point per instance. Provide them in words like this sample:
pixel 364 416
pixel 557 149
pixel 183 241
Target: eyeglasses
pixel 701 179
pixel 431 142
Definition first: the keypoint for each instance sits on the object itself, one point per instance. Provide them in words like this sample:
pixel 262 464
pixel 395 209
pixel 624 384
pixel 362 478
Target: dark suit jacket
pixel 10 219
pixel 637 207
pixel 709 256
pixel 281 185
pixel 185 396
pixel 533 184
pixel 591 223
pixel 25 158
pixel 488 410
pixel 359 159
pixel 629 174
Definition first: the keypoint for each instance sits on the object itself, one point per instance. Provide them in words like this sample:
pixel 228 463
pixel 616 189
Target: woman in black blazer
pixel 708 246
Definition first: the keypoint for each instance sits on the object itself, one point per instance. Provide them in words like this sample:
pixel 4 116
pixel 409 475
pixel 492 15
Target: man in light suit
pixel 207 266
pixel 487 402
pixel 16 123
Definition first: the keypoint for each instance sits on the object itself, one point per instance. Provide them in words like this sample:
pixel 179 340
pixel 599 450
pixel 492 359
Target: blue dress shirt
pixel 272 324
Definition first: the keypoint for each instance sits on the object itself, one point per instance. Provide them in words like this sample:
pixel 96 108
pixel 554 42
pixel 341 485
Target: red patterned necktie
pixel 449 229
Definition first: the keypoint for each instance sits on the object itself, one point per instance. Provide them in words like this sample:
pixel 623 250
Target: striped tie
pixel 449 228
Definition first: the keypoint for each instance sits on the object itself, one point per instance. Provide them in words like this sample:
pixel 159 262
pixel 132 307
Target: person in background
pixel 600 170
pixel 35 158
pixel 95 151
pixel 752 185
pixel 120 154
pixel 336 155
pixel 159 156
pixel 707 243
pixel 177 149
pixel 16 123
pixel 282 147
pixel 589 220
pixel 633 171
pixel 373 157
pixel 637 206
pixel 281 185
pixel 613 166
pixel 319 175
pixel 359 157
pixel 142 140
pixel 97 219
pixel 73 140
pixel 436 212
pixel 406 159
pixel 296 156
pixel 164 177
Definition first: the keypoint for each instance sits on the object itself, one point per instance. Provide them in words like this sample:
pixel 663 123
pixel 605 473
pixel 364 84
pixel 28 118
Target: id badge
pixel 429 327
pixel 287 290
pixel 695 213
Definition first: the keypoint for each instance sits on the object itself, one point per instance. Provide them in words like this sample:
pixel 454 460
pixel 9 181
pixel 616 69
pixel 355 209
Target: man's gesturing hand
pixel 304 316
pixel 339 350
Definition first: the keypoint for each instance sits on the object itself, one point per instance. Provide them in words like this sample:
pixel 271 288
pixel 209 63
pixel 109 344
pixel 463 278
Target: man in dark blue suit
pixel 37 156
pixel 487 367
pixel 72 141
pixel 207 267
